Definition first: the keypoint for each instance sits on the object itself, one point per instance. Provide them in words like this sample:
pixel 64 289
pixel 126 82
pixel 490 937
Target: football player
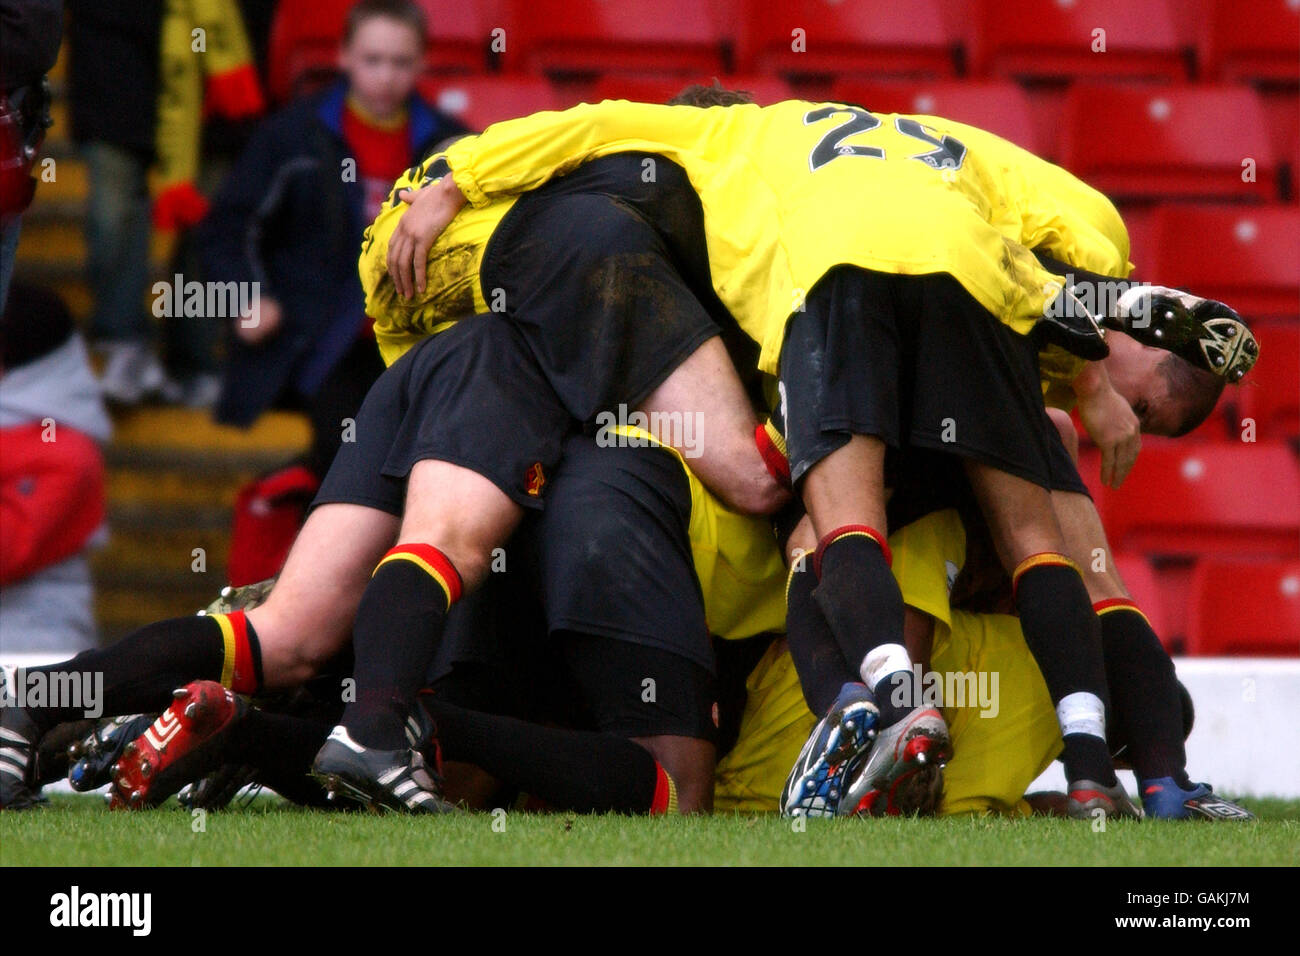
pixel 897 238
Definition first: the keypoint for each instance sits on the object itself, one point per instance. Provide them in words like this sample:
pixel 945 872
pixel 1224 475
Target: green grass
pixel 79 831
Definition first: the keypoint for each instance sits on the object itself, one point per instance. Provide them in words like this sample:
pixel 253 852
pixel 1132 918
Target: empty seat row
pixel 1136 143
pixel 1036 39
pixel 1220 607
pixel 1208 499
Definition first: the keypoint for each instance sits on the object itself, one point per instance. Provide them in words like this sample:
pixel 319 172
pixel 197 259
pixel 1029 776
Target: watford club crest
pixel 535 479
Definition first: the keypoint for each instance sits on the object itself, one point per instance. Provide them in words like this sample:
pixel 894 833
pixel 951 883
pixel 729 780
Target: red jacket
pixel 51 497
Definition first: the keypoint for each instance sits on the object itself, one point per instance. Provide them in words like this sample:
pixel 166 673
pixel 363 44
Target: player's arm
pixel 519 155
pixel 374 262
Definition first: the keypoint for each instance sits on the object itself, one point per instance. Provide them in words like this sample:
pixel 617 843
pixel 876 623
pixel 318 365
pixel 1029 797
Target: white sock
pixel 882 661
pixel 1081 713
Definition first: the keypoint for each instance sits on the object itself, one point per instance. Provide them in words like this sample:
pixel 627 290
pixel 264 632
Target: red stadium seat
pixel 479 101
pixel 998 106
pixel 1140 578
pixel 1058 39
pixel 613 36
pixel 1259 40
pixel 1243 255
pixel 1271 393
pixel 1229 499
pixel 863 37
pixel 1140 221
pixel 1245 607
pixel 304 44
pixel 1143 142
pixel 459 34
pixel 765 89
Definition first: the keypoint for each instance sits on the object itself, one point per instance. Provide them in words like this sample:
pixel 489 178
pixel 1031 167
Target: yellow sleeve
pixel 1053 211
pixel 518 155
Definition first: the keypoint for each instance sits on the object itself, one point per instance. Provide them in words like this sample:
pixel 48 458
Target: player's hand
pixel 433 207
pixel 1115 429
pixel 258 324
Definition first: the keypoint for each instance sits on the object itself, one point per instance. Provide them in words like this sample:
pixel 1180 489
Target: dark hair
pixel 403 11
pixel 36 321
pixel 697 94
pixel 1195 390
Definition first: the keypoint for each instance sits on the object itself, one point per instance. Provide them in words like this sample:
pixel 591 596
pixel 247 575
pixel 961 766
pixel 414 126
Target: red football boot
pixel 181 746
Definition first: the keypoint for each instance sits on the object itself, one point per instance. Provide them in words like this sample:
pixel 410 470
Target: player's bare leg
pixel 689 762
pixel 454 518
pixel 723 455
pixel 1060 628
pixel 1145 696
pixel 280 644
pixel 307 617
pixel 859 600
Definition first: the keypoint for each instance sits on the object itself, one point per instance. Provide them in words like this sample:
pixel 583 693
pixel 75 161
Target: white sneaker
pixel 131 372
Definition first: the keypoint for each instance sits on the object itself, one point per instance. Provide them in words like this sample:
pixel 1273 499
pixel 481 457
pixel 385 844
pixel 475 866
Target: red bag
pixel 17 156
pixel 268 513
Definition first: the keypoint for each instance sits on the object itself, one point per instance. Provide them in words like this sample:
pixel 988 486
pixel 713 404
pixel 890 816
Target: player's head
pixel 697 94
pixel 1169 394
pixel 382 53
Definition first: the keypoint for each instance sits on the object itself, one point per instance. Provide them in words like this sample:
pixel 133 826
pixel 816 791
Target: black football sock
pixel 1145 697
pixel 138 674
pixel 280 748
pixel 398 627
pixel 817 659
pixel 862 604
pixel 1064 636
pixel 575 770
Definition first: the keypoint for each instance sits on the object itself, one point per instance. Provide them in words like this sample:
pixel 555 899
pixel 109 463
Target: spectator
pixel 30 32
pixel 113 92
pixel 290 217
pixel 52 423
pixel 138 90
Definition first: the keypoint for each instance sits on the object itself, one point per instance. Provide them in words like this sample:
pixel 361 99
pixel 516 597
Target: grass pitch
pixel 77 830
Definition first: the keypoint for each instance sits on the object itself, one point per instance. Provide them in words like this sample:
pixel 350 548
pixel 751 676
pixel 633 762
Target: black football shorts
pixel 472 396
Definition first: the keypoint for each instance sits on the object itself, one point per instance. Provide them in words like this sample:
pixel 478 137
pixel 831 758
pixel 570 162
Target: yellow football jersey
pixel 791 190
pixel 452 289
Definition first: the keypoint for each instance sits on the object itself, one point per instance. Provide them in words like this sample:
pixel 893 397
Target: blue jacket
pixel 284 217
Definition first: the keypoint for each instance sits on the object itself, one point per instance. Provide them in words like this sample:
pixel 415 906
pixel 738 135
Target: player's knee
pixel 288 663
pixel 471 555
pixel 690 764
pixel 754 491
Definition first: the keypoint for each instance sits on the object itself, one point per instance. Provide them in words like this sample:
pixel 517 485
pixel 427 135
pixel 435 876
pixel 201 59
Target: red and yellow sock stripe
pixel 771 447
pixel 1111 605
pixel 850 531
pixel 665 798
pixel 239 670
pixel 1043 559
pixel 433 562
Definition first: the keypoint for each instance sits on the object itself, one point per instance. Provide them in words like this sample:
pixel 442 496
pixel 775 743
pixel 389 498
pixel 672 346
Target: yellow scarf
pixel 206 65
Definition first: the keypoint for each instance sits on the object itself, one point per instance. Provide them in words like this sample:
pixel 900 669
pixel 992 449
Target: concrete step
pixel 172 479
